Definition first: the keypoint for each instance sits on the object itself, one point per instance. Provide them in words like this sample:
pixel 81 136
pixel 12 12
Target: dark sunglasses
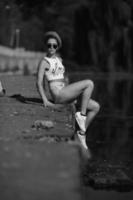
pixel 49 45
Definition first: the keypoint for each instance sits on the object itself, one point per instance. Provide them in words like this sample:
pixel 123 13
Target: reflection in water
pixel 113 127
pixel 110 136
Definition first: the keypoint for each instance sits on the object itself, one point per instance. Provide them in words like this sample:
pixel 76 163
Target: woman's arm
pixel 40 76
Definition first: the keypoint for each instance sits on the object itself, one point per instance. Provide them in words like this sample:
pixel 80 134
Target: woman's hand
pixel 48 104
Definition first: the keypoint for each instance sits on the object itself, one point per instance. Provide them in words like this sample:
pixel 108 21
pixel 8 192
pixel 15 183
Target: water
pixel 110 138
pixel 113 127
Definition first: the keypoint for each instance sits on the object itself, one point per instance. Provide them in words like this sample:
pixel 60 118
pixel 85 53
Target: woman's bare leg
pixel 72 91
pixel 86 95
pixel 93 109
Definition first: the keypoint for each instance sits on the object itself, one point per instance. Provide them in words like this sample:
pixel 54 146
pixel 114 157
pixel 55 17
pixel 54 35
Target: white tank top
pixel 56 69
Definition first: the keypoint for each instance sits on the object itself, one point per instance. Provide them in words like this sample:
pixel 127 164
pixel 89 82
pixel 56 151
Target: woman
pixel 52 69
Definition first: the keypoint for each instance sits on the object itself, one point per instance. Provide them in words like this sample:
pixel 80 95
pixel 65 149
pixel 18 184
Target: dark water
pixel 113 128
pixel 110 138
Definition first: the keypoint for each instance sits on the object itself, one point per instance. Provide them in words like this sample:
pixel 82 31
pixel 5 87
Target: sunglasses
pixel 51 45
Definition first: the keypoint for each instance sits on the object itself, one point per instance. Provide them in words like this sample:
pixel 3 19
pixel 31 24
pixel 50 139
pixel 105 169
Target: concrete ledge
pixel 33 166
pixel 39 171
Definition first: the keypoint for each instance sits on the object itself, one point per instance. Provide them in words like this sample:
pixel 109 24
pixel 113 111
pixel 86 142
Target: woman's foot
pixel 82 138
pixel 2 93
pixel 81 120
pixel 85 150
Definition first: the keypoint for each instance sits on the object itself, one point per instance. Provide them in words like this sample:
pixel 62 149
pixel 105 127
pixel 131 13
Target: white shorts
pixel 55 88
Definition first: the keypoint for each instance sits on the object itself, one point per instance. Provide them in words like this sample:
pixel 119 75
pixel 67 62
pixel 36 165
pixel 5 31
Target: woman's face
pixel 52 46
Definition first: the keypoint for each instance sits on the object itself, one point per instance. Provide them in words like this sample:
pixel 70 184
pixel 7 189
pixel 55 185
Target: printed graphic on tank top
pixel 56 69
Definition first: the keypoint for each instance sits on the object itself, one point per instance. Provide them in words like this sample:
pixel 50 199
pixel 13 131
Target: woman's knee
pixel 90 84
pixel 96 107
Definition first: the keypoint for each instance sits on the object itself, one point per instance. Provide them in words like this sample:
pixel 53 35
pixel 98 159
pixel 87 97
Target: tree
pixel 101 27
pixel 10 18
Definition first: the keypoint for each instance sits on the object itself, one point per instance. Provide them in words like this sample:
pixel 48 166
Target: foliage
pixel 94 32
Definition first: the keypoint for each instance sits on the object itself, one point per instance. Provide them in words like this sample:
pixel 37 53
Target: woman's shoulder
pixel 46 59
pixel 43 63
pixel 59 58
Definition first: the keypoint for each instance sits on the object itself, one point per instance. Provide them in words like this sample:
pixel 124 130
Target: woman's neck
pixel 51 56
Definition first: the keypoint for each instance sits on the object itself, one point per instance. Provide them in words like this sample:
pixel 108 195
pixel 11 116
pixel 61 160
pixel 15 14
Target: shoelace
pixel 81 132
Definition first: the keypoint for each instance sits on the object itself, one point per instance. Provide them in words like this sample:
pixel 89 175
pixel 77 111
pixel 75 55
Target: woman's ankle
pixel 83 114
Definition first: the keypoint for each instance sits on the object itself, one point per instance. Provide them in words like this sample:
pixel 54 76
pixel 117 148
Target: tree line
pixel 96 34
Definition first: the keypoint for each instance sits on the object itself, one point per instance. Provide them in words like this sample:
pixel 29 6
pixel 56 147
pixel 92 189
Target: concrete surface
pixel 35 164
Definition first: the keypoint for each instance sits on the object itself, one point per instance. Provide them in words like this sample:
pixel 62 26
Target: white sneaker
pixel 82 139
pixel 81 120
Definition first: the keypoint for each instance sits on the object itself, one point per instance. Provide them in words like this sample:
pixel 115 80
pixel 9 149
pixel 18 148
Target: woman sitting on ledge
pixel 52 68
